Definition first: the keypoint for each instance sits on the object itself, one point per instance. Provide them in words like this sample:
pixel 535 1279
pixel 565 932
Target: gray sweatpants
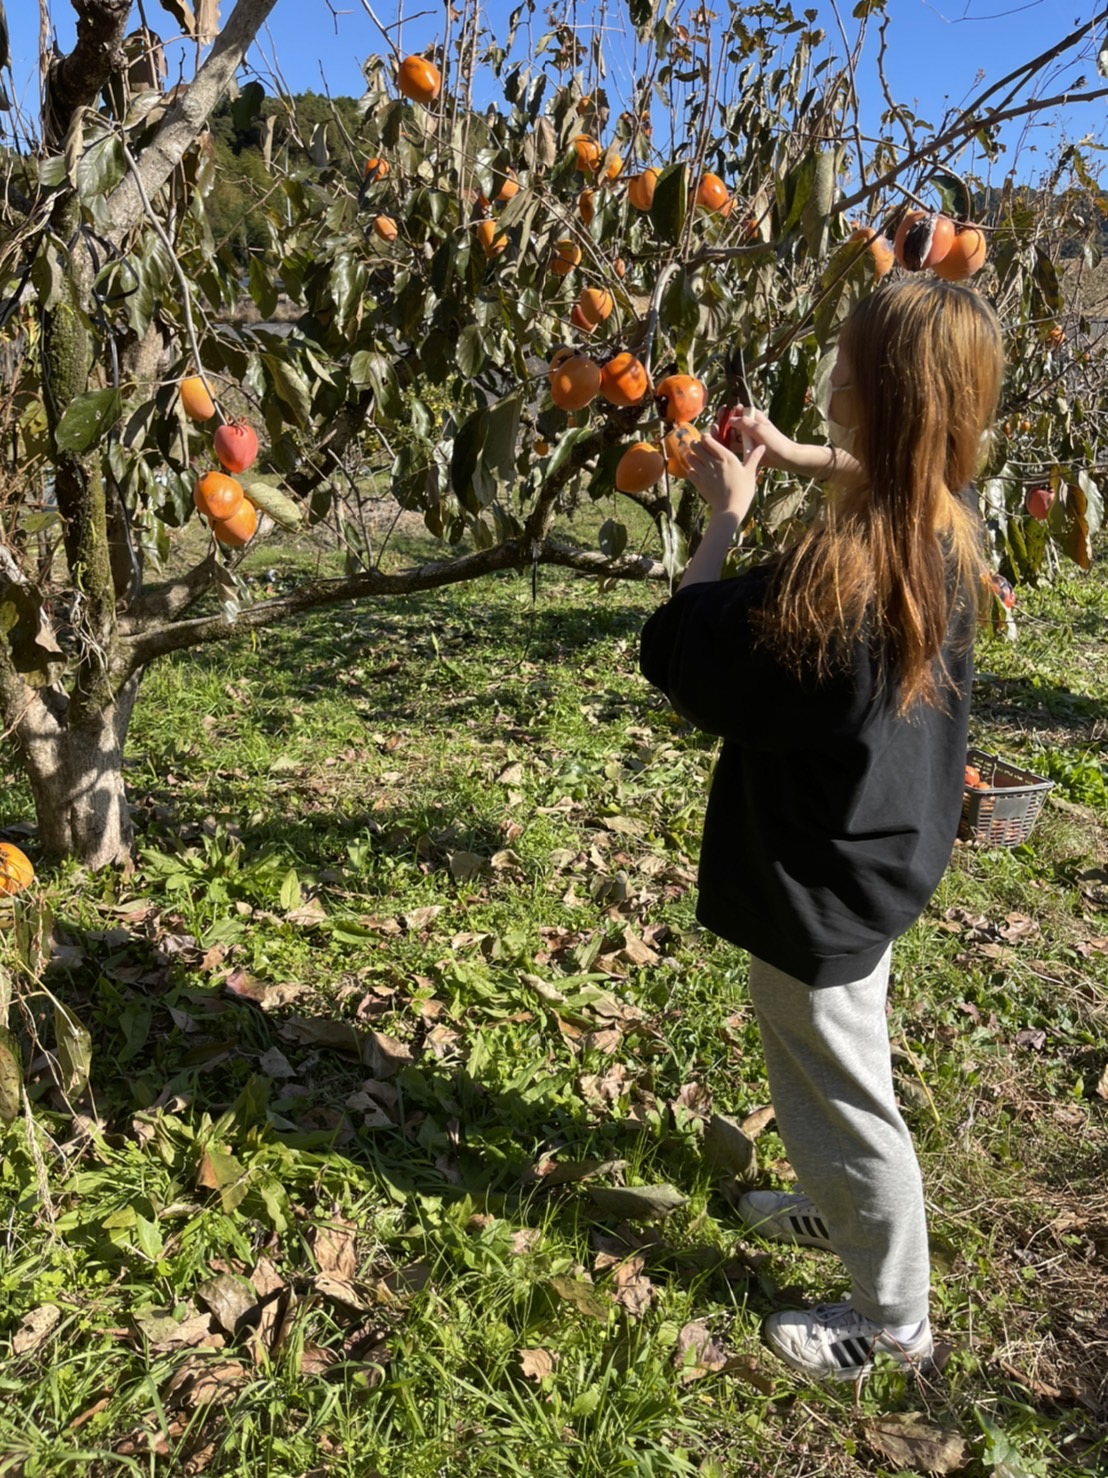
pixel 830 1079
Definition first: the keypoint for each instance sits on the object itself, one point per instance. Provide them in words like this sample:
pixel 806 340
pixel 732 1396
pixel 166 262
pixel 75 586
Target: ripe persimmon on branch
pixel 405 368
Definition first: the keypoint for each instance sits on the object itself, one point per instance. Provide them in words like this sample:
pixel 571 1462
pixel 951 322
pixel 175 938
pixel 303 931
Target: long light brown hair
pixel 890 556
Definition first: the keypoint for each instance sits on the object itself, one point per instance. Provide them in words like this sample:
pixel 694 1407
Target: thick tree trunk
pixel 76 776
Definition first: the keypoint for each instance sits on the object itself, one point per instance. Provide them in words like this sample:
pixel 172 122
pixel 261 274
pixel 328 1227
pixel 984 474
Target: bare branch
pixel 187 118
pixel 74 81
pixel 513 554
pixel 963 130
pixel 166 602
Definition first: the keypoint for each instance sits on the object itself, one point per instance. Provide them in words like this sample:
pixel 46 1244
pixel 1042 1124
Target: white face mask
pixel 844 438
pixel 840 436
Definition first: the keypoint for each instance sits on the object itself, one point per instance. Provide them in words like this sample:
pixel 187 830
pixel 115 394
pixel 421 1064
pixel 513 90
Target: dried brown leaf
pixel 757 1120
pixel 536 1364
pixel 407 1280
pixel 265 1278
pixel 383 1054
pixel 334 1245
pixel 583 1296
pixel 698 1353
pixel 166 1332
pixel 35 1329
pixel 727 1146
pixel 231 1299
pixel 419 918
pixel 268 996
pixel 638 1203
pixel 275 1323
pixel 340 1290
pixel 631 1289
pixel 696 1098
pixel 200 1382
pixel 910 1440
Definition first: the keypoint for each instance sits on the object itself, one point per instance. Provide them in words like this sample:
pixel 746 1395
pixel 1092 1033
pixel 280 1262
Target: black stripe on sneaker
pixel 810 1226
pixel 850 1353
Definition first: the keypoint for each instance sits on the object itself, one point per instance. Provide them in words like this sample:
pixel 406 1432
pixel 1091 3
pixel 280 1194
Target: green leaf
pixel 727 1146
pixel 844 280
pixel 954 194
pixel 671 203
pixel 247 107
pixel 470 350
pixel 466 455
pixel 589 1400
pixel 50 275
pixel 1046 280
pixel 74 1049
pixel 11 1076
pixel 793 191
pixel 292 895
pixel 583 1296
pixel 680 307
pixel 149 1238
pixel 272 500
pixel 565 446
pixel 85 420
pixel 817 208
pixel 51 172
pixel 786 405
pixel 263 289
pixel 612 538
pixel 640 1202
pixel 498 456
pixel 101 168
pixel 219 1171
pixel 347 282
pixel 291 387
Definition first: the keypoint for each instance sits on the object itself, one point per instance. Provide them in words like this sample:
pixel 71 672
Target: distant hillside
pixel 239 129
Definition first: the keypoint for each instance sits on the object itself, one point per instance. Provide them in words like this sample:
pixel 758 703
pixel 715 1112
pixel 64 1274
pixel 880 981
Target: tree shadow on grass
pixel 1027 705
pixel 415 1121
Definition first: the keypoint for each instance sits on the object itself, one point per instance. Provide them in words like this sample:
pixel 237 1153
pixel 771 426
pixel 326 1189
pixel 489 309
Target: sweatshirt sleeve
pixel 700 650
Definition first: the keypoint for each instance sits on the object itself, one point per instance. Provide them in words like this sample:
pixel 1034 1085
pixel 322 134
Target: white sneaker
pixel 834 1342
pixel 784 1216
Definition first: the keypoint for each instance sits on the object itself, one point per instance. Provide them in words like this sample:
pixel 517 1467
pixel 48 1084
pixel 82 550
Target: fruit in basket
pixel 974 780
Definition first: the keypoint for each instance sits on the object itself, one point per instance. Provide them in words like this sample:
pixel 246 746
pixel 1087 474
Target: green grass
pixel 440 832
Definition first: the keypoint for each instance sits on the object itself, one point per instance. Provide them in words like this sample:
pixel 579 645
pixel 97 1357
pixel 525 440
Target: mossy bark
pixel 72 742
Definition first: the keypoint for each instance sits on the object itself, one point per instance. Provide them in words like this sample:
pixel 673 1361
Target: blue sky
pixel 936 49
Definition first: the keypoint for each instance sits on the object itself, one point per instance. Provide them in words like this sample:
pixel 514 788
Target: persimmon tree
pixel 428 295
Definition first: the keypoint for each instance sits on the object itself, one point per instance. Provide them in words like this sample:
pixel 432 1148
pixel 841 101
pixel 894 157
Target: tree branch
pixel 966 126
pixel 186 119
pixel 74 81
pixel 162 603
pixel 513 554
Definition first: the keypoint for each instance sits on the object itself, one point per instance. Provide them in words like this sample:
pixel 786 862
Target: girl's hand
pixel 746 426
pixel 725 483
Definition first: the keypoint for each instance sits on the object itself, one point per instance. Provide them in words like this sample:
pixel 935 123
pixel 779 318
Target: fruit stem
pixel 182 280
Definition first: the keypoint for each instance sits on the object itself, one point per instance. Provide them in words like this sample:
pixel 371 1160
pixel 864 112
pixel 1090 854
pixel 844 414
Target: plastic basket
pixel 1002 811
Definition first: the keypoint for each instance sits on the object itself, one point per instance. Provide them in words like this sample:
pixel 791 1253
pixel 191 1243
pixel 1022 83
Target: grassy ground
pixel 399 1154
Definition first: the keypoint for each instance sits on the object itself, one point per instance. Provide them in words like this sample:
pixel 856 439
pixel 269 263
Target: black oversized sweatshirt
pixel 830 819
